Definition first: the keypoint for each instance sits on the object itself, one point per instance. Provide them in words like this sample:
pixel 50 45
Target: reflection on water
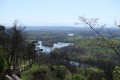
pixel 49 49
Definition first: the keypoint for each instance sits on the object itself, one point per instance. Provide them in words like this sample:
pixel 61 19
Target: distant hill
pixel 65 28
pixel 54 28
pixel 71 29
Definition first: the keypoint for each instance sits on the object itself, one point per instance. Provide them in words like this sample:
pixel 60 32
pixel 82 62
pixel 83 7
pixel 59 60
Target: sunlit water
pixel 55 45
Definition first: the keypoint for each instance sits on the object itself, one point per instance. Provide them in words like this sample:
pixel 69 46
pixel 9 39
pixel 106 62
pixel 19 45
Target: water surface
pixel 47 49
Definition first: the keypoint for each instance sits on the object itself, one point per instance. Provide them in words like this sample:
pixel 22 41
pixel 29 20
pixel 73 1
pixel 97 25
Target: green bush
pixel 78 77
pixel 60 72
pixel 50 72
pixel 68 77
pixel 91 73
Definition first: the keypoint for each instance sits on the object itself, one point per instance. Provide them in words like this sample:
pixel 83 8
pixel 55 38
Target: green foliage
pixel 60 72
pixel 68 77
pixel 45 72
pixel 116 73
pixel 26 74
pixel 91 73
pixel 95 48
pixel 78 77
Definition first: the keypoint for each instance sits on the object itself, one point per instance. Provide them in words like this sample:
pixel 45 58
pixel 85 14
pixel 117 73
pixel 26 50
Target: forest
pixel 95 54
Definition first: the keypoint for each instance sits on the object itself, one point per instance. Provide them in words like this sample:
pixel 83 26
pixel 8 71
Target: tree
pixel 12 41
pixel 31 52
pixel 92 22
pixel 17 40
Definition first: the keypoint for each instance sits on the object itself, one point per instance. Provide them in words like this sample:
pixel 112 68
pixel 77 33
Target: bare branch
pixel 116 24
pixel 92 22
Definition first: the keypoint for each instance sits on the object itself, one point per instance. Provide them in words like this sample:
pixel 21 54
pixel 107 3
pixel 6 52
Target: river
pixel 47 49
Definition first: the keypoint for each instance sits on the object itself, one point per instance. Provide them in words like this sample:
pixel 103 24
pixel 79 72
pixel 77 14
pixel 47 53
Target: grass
pixel 26 74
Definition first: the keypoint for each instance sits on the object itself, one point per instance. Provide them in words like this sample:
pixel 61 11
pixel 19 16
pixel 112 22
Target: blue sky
pixel 57 12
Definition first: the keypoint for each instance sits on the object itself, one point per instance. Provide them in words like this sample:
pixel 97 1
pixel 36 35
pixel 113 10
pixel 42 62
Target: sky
pixel 57 12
